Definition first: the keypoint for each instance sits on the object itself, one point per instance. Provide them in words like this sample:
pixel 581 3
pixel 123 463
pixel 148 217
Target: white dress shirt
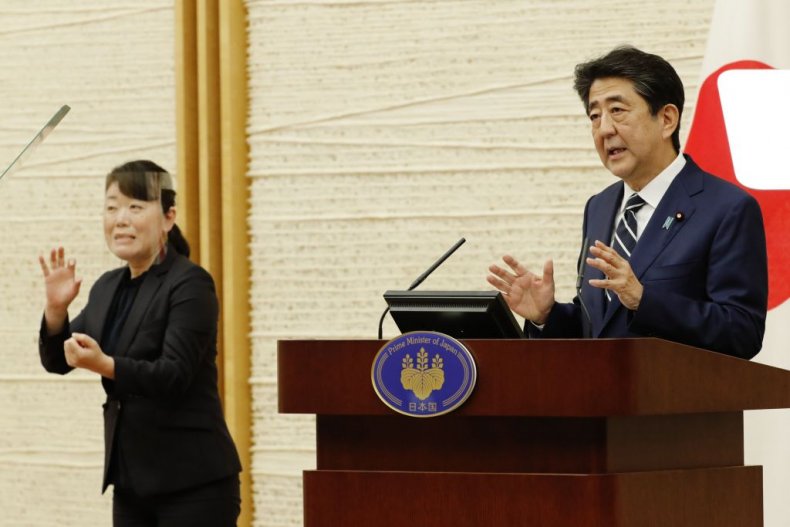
pixel 652 194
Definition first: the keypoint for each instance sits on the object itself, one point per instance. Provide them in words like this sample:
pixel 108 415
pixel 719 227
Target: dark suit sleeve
pixel 189 337
pixel 731 319
pixel 564 322
pixel 50 347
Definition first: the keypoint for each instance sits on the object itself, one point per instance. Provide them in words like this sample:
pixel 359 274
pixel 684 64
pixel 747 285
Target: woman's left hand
pixel 82 351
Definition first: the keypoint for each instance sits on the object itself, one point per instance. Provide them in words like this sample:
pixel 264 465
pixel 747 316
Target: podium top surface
pixel 551 377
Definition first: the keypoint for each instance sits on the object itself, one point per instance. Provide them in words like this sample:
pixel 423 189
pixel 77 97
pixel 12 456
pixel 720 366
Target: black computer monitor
pixel 460 314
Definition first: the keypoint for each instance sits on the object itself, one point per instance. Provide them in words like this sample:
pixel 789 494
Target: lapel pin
pixel 668 222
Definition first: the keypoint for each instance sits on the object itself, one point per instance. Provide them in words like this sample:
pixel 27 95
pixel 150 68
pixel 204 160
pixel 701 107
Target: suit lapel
pixel 151 283
pixel 659 232
pixel 663 225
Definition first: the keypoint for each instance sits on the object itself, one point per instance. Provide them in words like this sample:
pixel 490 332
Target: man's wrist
pixel 544 317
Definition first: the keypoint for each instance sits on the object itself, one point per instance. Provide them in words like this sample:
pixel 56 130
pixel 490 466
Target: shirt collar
pixel 655 190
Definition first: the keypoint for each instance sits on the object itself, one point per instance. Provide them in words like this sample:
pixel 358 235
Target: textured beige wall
pixel 382 131
pixel 112 62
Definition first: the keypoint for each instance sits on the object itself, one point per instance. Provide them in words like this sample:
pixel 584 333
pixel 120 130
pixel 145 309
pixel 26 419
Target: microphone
pixel 579 278
pixel 37 140
pixel 423 276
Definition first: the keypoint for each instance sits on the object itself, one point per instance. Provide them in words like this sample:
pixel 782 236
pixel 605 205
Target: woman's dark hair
pixel 145 180
pixel 652 76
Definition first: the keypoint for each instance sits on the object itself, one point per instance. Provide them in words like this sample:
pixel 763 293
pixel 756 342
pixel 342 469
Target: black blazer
pixel 164 402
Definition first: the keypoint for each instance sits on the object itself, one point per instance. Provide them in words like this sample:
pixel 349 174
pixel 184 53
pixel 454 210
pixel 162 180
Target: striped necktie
pixel 625 233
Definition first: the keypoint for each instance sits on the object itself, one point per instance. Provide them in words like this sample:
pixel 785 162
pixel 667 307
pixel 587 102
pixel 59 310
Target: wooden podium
pixel 575 433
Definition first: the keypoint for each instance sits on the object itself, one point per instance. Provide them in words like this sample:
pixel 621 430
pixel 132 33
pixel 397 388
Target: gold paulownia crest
pixel 422 380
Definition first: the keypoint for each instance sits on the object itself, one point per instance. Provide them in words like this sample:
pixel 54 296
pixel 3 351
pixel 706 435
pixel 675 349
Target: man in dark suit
pixel 675 252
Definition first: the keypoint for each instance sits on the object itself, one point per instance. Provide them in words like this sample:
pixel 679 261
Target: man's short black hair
pixel 652 76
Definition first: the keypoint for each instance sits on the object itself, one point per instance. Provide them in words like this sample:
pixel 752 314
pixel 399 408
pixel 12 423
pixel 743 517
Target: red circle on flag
pixel 708 145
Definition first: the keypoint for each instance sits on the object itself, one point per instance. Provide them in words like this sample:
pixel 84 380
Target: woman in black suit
pixel 149 329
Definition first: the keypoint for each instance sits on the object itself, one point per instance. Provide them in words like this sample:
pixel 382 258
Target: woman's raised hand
pixel 62 285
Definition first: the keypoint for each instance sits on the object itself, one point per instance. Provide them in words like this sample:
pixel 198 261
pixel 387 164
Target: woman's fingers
pixel 84 340
pixel 43 263
pixel 57 259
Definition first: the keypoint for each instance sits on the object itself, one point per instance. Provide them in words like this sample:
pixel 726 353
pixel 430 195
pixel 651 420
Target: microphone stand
pixel 579 279
pixel 423 276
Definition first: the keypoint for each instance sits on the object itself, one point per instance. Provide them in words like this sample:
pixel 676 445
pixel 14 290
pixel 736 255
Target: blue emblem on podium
pixel 423 374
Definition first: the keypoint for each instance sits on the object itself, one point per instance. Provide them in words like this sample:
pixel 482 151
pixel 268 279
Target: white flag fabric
pixel 741 132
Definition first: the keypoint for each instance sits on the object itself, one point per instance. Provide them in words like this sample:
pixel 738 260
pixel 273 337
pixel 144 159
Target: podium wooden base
pixel 714 497
pixel 558 433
